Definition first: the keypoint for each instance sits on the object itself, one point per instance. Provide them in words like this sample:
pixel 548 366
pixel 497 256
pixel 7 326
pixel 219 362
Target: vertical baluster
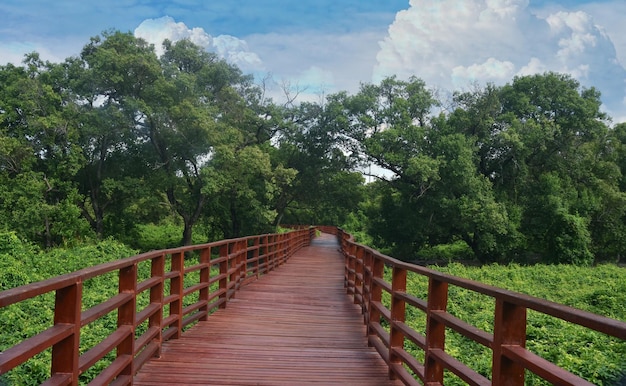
pixel 290 245
pixel 398 315
pixel 435 331
pixel 263 251
pixel 280 250
pixel 366 261
pixel 233 278
pixel 243 261
pixel 359 273
pixel 157 269
pixel 283 248
pixel 269 248
pixel 241 250
pixel 257 262
pixel 203 295
pixel 224 275
pixel 509 329
pixel 126 315
pixel 376 294
pixel 67 310
pixel 348 252
pixel 176 288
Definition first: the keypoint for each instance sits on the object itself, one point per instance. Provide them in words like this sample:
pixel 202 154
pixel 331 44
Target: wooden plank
pixel 295 326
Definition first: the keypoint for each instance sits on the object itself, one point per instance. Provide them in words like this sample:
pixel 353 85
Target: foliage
pixel 528 171
pixel 22 263
pixel 117 139
pixel 593 356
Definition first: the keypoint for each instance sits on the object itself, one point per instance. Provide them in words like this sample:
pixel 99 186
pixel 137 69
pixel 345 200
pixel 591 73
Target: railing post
pixel 224 275
pixel 435 330
pixel 67 310
pixel 359 274
pixel 366 261
pixel 376 294
pixel 176 288
pixel 509 329
pixel 205 276
pixel 398 315
pixel 157 269
pixel 290 245
pixel 237 251
pixel 284 248
pixel 235 267
pixel 256 253
pixel 243 260
pixel 349 279
pixel 269 253
pixel 126 315
pixel 280 257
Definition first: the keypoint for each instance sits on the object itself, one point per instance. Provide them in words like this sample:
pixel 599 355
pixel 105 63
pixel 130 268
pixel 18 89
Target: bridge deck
pixel 295 326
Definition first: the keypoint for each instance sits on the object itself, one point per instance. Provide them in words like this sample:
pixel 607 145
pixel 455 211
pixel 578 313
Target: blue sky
pixel 316 47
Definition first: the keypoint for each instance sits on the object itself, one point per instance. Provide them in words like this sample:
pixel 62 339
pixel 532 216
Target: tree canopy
pixel 117 142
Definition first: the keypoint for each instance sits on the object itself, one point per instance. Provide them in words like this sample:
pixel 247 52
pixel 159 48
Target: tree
pixel 312 143
pixel 39 156
pixel 104 86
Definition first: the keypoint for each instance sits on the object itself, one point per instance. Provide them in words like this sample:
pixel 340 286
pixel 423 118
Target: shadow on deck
pixel 295 326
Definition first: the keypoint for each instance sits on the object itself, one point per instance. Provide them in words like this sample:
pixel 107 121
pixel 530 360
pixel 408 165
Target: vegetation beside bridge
pixel 158 151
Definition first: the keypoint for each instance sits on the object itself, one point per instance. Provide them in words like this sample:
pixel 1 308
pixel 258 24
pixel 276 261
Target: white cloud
pixel 236 51
pixel 230 48
pixel 492 70
pixel 612 15
pixel 155 31
pixel 451 44
pixel 321 63
pixel 534 66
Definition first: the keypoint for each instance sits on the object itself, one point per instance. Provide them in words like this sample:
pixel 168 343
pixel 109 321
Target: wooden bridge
pixel 234 313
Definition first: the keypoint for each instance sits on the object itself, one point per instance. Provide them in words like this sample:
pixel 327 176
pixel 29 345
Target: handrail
pixel 221 269
pixel 364 280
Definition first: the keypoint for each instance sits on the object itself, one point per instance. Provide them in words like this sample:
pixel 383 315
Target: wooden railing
pixel 365 280
pixel 179 287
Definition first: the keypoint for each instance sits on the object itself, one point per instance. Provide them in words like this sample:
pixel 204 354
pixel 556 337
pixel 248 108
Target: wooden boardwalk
pixel 294 326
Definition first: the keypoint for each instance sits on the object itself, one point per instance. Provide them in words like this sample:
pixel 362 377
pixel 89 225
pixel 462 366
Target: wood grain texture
pixel 295 326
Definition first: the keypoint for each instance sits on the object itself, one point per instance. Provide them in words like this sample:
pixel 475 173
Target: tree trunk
pixel 187 232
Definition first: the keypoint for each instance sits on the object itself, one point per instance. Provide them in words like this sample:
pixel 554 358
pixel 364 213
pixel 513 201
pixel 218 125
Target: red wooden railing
pixel 220 268
pixel 365 280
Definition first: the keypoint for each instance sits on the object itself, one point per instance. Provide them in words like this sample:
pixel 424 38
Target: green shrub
pixel 148 237
pixel 21 263
pixel 590 355
pixel 447 252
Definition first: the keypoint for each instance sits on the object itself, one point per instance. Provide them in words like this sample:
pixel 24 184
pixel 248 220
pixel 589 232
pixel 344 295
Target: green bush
pixel 16 261
pixel 447 252
pixel 590 355
pixel 148 237
pixel 21 263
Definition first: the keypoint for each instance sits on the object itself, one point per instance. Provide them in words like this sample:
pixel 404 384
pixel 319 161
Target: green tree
pixel 312 142
pixel 570 178
pixel 111 78
pixel 39 157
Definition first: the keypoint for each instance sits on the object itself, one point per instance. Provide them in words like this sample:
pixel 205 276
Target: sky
pixel 316 47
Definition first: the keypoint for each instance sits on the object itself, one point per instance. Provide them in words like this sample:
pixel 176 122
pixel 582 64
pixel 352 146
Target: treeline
pixel 120 143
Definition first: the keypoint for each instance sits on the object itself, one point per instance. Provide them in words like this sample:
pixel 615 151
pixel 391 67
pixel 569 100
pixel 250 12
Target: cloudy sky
pixel 323 46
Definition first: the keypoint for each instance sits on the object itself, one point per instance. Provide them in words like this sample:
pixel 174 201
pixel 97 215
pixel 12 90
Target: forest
pixel 119 144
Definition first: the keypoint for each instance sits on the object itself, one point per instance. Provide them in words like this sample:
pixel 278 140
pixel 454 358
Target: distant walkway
pixel 294 326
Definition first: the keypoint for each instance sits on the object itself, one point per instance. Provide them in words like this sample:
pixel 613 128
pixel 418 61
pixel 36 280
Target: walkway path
pixel 294 326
